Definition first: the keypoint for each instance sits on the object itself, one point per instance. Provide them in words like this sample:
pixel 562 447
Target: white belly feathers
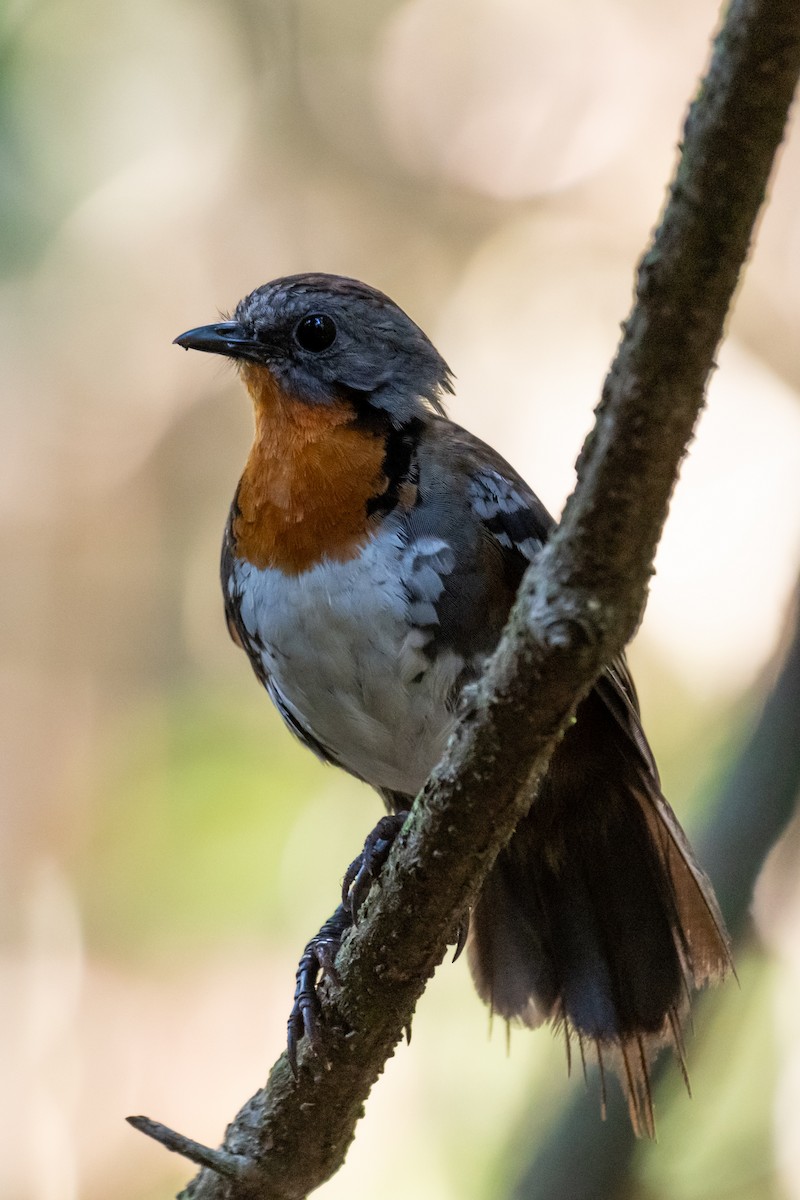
pixel 343 652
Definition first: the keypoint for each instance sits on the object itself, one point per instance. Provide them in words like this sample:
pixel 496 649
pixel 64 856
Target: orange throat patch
pixel 304 491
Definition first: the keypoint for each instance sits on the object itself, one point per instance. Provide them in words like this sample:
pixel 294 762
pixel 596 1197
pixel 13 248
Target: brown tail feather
pixel 597 914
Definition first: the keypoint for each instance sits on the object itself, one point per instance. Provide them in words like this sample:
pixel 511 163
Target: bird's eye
pixel 315 332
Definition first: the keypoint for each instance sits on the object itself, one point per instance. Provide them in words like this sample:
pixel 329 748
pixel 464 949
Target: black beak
pixel 227 338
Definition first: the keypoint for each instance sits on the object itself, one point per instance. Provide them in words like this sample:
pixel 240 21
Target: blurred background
pixel 167 848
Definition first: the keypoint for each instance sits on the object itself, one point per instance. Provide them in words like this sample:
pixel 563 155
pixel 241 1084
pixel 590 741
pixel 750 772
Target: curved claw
pixel 349 876
pixel 360 887
pixel 461 937
pixel 291 1049
pixel 326 957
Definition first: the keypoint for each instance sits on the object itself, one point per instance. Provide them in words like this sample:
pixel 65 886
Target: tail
pixel 596 915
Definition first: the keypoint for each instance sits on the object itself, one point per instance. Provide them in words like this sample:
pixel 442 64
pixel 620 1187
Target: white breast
pixel 345 660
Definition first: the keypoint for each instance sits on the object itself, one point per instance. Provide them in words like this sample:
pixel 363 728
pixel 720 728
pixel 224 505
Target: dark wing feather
pixel 459 475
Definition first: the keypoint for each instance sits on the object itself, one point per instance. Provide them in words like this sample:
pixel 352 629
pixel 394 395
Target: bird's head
pixel 325 338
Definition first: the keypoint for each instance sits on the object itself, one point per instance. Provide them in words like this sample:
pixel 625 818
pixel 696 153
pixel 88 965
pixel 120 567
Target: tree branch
pixel 577 608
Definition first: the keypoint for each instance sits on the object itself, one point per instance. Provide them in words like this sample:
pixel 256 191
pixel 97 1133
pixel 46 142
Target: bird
pixel 371 556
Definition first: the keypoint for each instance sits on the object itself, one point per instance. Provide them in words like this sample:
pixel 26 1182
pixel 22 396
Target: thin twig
pixel 222 1162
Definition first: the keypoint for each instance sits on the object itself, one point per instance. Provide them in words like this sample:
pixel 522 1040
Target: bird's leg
pixel 319 956
pixel 366 867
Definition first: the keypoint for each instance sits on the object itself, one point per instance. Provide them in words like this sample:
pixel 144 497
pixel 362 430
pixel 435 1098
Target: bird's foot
pixel 366 867
pixel 318 957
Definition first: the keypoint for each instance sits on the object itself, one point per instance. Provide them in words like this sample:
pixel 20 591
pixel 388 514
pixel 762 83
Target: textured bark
pixel 577 608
